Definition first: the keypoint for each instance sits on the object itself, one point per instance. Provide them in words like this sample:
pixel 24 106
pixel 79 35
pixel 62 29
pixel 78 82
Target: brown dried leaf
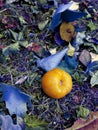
pixel 91 123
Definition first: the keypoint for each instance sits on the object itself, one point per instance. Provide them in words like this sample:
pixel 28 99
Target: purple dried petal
pixel 58 39
pixel 85 57
pixel 94 40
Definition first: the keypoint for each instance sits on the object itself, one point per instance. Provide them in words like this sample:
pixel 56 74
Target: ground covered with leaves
pixel 25 38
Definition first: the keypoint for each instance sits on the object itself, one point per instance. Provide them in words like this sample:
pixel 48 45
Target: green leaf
pixel 17 36
pixel 11 48
pixel 42 1
pixel 91 45
pixel 22 21
pixel 1 35
pixel 79 76
pixel 94 79
pixel 88 14
pixel 92 26
pixel 14 34
pixel 23 43
pixel 43 24
pixel 83 112
pixel 20 36
pixel 34 123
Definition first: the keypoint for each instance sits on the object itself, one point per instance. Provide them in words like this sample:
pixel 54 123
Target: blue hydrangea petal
pixel 92 67
pixel 58 39
pixel 63 14
pixel 52 61
pixel 7 123
pixel 16 100
pixel 70 16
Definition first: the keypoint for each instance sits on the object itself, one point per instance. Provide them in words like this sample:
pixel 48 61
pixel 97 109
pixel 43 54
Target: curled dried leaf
pixel 94 57
pixel 71 50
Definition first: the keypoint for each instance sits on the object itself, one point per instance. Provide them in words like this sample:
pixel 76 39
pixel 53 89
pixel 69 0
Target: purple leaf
pixel 16 100
pixel 85 57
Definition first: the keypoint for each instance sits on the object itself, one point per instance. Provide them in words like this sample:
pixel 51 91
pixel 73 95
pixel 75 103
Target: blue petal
pixel 70 16
pixel 69 64
pixel 7 123
pixel 94 40
pixel 63 14
pixel 71 61
pixel 92 67
pixel 52 61
pixel 63 7
pixel 55 21
pixel 16 100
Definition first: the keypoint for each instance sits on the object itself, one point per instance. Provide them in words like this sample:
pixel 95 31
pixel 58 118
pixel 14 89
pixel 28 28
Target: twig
pixel 12 81
pixel 2 10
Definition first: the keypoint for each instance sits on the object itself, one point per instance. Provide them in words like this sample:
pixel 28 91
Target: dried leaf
pixel 79 39
pixel 14 34
pixel 94 57
pixel 35 123
pixel 21 18
pixel 13 48
pixel 74 6
pixel 10 1
pixel 92 26
pixel 42 1
pixel 2 46
pixel 52 50
pixel 71 50
pixel 91 123
pixel 1 35
pixel 91 45
pixel 43 24
pixel 94 79
pixel 83 112
pixel 85 57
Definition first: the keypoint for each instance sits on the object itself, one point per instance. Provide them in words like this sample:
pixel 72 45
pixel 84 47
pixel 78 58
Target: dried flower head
pixel 67 31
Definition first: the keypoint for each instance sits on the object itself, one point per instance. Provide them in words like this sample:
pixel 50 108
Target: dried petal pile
pixel 33 40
